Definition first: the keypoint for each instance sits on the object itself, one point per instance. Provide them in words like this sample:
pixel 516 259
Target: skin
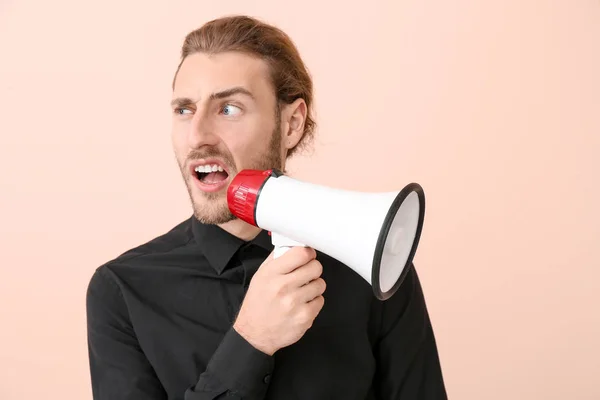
pixel 240 127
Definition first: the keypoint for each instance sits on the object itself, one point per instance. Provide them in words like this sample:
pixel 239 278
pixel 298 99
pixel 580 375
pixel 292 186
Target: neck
pixel 241 229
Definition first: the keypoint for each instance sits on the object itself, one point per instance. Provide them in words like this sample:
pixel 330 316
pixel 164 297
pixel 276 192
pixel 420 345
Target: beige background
pixel 493 106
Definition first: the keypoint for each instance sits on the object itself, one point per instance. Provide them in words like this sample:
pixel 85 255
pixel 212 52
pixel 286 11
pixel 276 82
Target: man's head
pixel 242 98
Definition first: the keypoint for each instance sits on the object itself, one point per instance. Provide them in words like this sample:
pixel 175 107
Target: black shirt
pixel 160 322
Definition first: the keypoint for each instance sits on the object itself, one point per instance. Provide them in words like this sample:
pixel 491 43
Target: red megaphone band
pixel 244 190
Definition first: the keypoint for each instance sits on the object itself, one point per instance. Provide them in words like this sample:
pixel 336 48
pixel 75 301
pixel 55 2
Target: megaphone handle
pixel 283 244
pixel 280 250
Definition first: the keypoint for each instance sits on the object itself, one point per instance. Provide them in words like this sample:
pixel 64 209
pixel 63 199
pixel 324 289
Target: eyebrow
pixel 181 101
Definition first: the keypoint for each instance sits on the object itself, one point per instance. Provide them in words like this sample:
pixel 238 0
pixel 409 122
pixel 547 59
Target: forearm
pixel 236 370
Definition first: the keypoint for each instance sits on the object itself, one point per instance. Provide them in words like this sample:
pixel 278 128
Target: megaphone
pixel 375 234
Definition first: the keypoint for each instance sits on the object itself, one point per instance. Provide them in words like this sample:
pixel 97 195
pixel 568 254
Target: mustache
pixel 210 153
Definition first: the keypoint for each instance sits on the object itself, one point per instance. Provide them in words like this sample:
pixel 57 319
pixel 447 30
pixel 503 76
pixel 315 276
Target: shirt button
pixel 267 379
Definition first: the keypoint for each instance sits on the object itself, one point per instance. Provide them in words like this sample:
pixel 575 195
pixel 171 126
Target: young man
pixel 204 311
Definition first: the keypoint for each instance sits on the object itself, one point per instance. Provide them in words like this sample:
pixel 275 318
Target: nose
pixel 201 131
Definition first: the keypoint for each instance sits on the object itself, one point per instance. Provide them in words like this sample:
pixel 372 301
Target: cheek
pixel 248 137
pixel 246 148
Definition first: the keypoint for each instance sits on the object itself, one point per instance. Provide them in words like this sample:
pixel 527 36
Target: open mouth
pixel 211 174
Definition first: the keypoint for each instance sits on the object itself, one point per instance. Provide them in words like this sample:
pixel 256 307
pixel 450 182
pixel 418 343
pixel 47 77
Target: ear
pixel 293 118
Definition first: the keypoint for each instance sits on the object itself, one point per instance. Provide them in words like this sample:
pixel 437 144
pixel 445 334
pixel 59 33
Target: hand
pixel 284 297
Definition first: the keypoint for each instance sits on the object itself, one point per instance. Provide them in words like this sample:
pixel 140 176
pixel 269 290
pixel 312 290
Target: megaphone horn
pixel 375 234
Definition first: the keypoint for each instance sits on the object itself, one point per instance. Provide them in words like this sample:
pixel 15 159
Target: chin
pixel 210 206
pixel 212 211
pixel 213 218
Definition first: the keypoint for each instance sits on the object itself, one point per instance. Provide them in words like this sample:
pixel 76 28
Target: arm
pixel 236 371
pixel 407 357
pixel 120 370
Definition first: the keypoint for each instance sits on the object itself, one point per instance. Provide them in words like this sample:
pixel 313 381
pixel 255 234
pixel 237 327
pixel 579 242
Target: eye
pixel 182 111
pixel 230 109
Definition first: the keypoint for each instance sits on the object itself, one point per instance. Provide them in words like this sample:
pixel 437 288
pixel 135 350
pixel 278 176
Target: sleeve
pixel 120 371
pixel 236 370
pixel 408 365
pixel 118 367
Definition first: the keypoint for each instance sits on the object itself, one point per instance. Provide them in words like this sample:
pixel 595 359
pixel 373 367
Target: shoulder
pixel 178 236
pixel 406 309
pixel 348 296
pixel 106 279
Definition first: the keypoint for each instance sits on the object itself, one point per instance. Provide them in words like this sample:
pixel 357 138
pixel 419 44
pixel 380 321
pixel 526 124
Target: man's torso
pixel 180 307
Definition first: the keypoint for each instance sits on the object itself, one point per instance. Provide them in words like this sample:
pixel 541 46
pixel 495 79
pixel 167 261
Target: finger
pixel 312 290
pixel 315 305
pixel 303 275
pixel 295 257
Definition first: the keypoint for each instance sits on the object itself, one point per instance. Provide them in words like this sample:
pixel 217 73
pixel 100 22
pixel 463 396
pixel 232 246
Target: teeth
pixel 208 168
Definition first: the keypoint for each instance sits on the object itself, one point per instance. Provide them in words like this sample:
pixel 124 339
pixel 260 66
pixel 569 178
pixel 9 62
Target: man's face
pixel 224 120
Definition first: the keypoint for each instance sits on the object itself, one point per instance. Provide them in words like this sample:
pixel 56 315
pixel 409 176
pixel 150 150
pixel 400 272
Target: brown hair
pixel 289 74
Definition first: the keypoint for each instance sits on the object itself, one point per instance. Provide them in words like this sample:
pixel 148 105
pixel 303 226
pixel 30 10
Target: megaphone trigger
pixel 283 244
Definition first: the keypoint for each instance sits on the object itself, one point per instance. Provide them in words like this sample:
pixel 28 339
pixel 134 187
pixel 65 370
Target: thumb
pixel 265 265
pixel 271 256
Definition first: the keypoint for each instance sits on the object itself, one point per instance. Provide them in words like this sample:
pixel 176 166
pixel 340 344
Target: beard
pixel 212 207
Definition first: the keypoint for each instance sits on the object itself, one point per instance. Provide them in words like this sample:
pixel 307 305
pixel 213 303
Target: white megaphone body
pixel 375 234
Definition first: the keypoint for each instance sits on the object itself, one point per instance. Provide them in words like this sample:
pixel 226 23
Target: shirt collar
pixel 219 246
